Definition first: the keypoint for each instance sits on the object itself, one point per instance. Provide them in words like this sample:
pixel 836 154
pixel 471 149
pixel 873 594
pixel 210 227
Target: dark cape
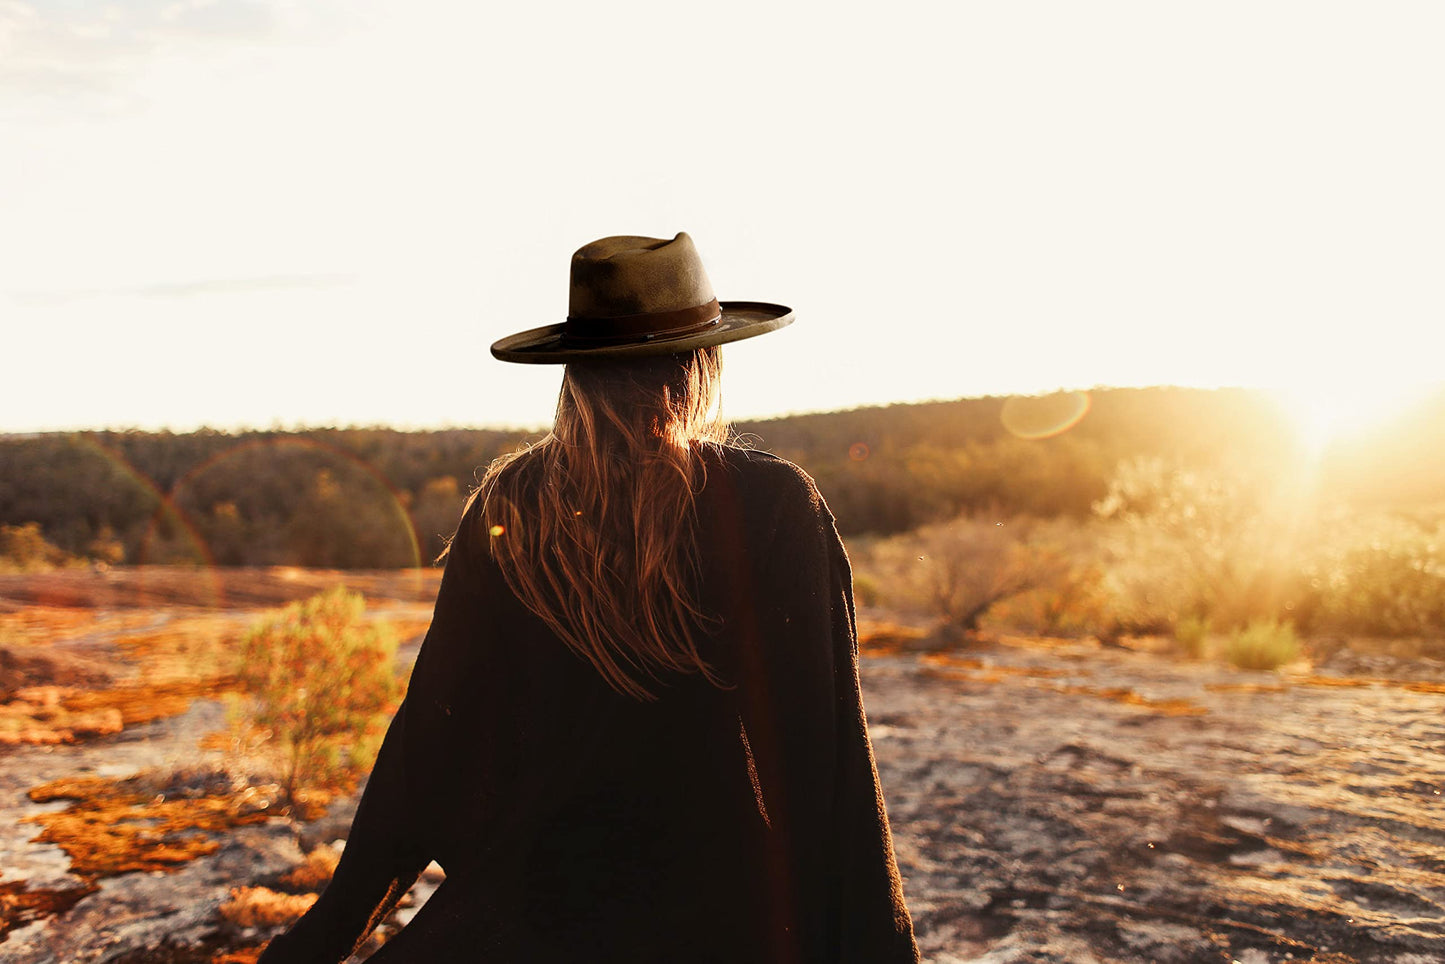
pixel 729 825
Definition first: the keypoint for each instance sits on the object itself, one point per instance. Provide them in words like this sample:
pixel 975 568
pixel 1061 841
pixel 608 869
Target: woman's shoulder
pixel 764 472
pixel 763 468
pixel 769 483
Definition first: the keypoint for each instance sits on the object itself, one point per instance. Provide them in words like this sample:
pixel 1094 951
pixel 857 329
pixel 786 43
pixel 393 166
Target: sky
pixel 256 213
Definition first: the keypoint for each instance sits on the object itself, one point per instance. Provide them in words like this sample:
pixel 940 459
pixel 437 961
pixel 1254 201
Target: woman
pixel 634 730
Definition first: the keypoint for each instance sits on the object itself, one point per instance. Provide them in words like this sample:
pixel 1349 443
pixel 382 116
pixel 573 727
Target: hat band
pixel 641 328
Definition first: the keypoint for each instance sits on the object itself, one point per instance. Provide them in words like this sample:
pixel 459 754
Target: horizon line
pixel 522 428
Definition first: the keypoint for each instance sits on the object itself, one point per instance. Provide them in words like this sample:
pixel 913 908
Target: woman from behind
pixel 634 731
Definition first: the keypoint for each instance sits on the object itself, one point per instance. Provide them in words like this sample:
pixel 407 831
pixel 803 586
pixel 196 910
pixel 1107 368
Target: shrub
pixel 960 570
pixel 1222 543
pixel 1191 633
pixel 1071 601
pixel 24 548
pixel 1263 644
pixel 1383 576
pixel 321 681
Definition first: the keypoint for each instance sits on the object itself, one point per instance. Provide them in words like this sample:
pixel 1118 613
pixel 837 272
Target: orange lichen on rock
pixel 1414 686
pixel 188 647
pixel 44 624
pixel 1246 687
pixel 407 627
pixel 976 669
pixel 263 907
pixel 1120 694
pixel 19 905
pixel 949 666
pixel 66 714
pixel 143 702
pixel 882 638
pixel 315 871
pixel 244 955
pixel 116 827
pixel 38 715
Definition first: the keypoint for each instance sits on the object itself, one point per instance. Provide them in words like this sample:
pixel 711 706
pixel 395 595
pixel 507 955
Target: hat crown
pixel 630 275
pixel 631 297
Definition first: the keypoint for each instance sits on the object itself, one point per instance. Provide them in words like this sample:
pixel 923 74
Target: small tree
pixel 320 681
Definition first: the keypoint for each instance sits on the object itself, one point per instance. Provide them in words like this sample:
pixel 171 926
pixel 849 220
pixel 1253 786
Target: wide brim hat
pixel 632 297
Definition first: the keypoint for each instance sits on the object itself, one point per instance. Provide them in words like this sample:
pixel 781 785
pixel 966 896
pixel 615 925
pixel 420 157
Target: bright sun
pixel 1326 412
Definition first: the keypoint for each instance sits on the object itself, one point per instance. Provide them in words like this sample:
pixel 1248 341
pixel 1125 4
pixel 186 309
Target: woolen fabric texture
pixel 727 825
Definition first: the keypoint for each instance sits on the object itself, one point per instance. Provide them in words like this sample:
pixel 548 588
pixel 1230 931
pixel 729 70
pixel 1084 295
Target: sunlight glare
pixel 1327 412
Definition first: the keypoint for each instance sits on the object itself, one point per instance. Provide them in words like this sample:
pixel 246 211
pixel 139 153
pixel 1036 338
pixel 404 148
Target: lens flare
pixel 396 504
pixel 167 514
pixel 1043 416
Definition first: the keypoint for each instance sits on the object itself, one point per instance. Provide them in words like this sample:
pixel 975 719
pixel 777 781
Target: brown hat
pixel 640 296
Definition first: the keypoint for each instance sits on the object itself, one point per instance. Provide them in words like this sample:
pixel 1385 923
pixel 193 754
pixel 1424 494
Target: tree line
pixel 380 498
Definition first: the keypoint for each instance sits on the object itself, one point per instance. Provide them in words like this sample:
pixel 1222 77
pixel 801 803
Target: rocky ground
pixel 1051 801
pixel 1075 803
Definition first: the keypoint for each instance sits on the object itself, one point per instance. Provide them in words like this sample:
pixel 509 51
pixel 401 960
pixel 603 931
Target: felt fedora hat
pixel 634 296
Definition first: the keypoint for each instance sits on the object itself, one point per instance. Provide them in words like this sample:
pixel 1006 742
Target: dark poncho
pixel 737 824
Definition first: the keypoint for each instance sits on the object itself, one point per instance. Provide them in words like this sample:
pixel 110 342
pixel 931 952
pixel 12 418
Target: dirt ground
pixel 1051 800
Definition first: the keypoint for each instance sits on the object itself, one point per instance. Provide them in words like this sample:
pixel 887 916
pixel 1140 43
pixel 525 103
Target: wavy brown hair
pixel 594 527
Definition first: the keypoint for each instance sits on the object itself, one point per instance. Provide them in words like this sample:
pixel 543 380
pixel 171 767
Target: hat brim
pixel 740 319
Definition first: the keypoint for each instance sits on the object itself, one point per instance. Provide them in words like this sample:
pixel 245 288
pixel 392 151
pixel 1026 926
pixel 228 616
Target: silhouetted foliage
pixel 359 497
pixel 352 498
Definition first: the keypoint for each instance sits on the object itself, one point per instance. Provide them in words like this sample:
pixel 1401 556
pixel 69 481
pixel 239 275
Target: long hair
pixel 594 527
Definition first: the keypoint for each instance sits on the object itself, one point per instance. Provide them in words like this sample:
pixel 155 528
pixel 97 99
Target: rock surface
pixel 1050 802
pixel 1073 803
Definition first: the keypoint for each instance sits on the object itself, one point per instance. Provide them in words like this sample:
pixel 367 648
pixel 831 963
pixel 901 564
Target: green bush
pixel 321 682
pixel 1263 644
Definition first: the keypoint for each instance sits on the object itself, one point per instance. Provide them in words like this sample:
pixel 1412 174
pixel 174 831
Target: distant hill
pixel 376 497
